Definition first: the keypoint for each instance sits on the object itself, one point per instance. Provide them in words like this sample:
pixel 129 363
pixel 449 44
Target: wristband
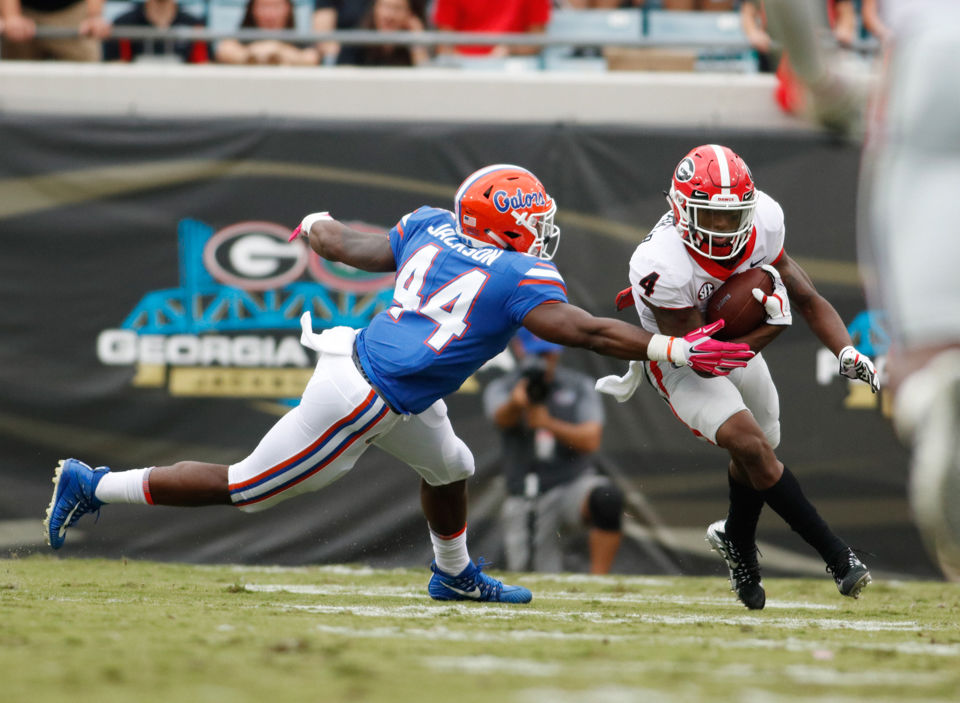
pixel 659 348
pixel 310 219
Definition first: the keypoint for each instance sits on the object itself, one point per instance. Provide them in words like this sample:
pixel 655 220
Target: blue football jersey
pixel 454 307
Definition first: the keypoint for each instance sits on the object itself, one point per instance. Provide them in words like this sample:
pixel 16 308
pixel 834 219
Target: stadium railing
pixel 577 40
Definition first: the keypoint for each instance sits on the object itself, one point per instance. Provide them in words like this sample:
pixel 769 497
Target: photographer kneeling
pixel 551 421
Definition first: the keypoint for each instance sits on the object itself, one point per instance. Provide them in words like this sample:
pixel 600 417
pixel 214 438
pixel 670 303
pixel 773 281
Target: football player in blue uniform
pixel 465 282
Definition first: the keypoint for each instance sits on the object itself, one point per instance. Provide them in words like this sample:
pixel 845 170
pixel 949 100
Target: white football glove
pixel 699 351
pixel 777 304
pixel 855 365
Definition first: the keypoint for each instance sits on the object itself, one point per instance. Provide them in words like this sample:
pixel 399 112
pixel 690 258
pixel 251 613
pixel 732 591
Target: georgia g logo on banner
pixel 231 328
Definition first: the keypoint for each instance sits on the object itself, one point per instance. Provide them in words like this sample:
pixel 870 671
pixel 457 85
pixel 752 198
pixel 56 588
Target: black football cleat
pixel 742 562
pixel 850 574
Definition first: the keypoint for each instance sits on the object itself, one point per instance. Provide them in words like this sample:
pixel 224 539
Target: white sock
pixel 451 551
pixel 125 487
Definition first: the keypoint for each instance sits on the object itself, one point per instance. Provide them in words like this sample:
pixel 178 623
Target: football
pixel 734 302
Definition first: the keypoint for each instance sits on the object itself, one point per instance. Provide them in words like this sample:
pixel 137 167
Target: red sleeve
pixel 445 14
pixel 538 12
pixel 126 50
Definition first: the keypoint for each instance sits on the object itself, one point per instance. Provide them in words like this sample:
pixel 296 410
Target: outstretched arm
pixel 334 241
pixel 571 326
pixel 563 323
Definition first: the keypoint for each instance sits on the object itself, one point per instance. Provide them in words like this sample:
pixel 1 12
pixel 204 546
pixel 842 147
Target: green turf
pixel 85 630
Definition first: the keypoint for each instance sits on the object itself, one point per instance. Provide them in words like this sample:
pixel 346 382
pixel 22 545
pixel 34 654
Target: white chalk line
pixel 401 592
pixel 486 612
pixel 443 633
pixel 606 581
pixel 804 674
pixel 602 694
pixel 499 612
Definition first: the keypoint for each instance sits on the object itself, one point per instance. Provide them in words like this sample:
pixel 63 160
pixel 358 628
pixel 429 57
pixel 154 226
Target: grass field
pixel 84 630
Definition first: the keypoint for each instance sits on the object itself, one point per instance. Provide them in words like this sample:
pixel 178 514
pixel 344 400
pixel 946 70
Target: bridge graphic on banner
pixel 202 304
pixel 225 330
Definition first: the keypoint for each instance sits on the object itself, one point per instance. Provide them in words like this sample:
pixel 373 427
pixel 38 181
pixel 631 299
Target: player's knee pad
pixel 457 459
pixel 605 504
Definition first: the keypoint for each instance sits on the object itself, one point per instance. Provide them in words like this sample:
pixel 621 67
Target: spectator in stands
pixel 598 4
pixel 503 16
pixel 701 5
pixel 873 20
pixel 551 421
pixel 161 14
pixel 754 26
pixel 843 21
pixel 21 18
pixel 389 16
pixel 842 18
pixel 268 15
pixel 335 15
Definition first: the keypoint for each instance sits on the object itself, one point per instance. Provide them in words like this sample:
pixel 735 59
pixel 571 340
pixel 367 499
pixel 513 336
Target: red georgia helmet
pixel 507 207
pixel 713 200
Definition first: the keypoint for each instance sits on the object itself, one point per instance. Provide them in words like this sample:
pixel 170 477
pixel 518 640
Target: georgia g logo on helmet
pixel 685 170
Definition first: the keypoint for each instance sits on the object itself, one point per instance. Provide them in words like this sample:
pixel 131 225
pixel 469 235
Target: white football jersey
pixel 665 273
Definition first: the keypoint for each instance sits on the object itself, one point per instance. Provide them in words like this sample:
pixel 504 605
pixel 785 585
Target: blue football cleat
pixel 74 484
pixel 473 584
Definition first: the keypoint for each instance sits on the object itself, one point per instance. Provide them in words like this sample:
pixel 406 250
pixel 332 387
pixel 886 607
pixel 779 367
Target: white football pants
pixel 704 404
pixel 338 418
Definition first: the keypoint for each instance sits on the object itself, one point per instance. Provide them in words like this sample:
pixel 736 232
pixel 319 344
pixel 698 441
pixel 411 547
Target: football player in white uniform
pixel 719 224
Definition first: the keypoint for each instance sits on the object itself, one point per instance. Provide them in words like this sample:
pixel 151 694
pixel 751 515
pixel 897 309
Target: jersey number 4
pixel 449 306
pixel 648 283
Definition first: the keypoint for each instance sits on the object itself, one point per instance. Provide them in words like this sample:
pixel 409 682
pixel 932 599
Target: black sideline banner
pixel 150 306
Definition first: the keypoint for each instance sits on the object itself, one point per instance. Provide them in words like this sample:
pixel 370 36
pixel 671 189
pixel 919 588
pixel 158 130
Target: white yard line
pixel 400 592
pixel 818 675
pixel 443 633
pixel 495 612
pixel 485 664
pixel 600 694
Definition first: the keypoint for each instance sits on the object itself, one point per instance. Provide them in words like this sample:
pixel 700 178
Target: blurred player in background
pixel 912 155
pixel 906 238
pixel 465 282
pixel 720 224
pixel 550 420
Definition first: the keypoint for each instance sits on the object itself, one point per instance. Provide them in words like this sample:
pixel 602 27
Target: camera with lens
pixel 535 371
